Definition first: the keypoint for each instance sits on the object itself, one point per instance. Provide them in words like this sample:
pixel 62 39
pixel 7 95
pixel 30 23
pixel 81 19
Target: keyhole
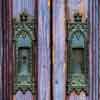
pixel 24 59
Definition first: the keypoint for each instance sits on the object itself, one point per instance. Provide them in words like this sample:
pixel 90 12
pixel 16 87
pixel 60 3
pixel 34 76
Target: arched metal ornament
pixel 24 42
pixel 77 40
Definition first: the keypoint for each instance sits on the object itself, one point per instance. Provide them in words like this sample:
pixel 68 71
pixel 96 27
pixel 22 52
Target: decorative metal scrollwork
pixel 77 51
pixel 24 38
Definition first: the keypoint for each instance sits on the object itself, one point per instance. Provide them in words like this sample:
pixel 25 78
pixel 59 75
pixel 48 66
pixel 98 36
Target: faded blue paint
pixel 23 41
pixel 93 47
pixel 78 97
pixel 59 50
pixel 43 51
pixel 90 49
pixel 20 96
pixel 74 6
pixel 96 15
pixel 21 5
pixel 95 33
pixel 77 40
pixel 28 96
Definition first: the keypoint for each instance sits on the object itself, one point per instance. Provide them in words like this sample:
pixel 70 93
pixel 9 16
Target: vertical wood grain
pixel 93 49
pixel 28 96
pixel 1 50
pixel 20 96
pixel 99 50
pixel 96 47
pixel 43 51
pixel 90 50
pixel 7 49
pixel 59 50
pixel 21 5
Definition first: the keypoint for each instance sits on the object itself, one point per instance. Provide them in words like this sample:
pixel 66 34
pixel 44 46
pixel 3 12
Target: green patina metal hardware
pixel 24 37
pixel 77 48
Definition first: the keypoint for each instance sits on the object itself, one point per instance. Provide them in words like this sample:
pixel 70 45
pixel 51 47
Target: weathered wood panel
pixel 90 50
pixel 43 51
pixel 81 96
pixel 19 96
pixel 59 50
pixel 99 50
pixel 28 96
pixel 1 51
pixel 78 98
pixel 7 49
pixel 93 49
pixel 21 5
pixel 96 66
